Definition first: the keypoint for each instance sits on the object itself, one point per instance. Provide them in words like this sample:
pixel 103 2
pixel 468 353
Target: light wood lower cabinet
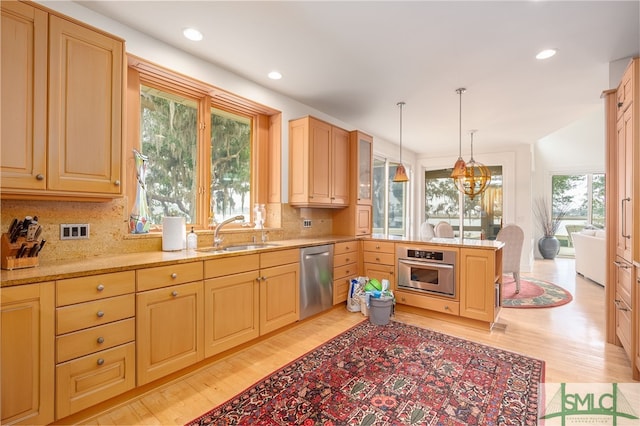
pixel 622 302
pixel 480 281
pixel 279 289
pixel 95 340
pixel 379 261
pixel 27 341
pixel 345 267
pixel 169 330
pixel 231 302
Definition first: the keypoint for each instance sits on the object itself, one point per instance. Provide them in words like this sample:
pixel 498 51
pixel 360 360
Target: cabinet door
pixel 380 272
pixel 279 297
pixel 363 219
pixel 169 330
pixel 477 270
pixel 339 167
pixel 319 162
pixel 365 152
pixel 85 109
pixel 24 97
pixel 27 348
pixel 231 310
pixel 624 171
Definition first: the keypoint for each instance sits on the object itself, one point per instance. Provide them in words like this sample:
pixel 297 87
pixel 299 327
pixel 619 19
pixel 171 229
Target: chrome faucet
pixel 217 240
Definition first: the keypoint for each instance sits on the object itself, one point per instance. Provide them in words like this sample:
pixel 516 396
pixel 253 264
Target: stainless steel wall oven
pixel 427 270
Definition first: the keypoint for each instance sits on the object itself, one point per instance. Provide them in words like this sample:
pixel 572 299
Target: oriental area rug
pixel 534 293
pixel 390 375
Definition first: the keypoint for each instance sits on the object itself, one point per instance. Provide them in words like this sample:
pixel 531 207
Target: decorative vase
pixel 139 218
pixel 549 247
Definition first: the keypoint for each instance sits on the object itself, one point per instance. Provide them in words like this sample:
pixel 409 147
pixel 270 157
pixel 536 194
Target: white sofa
pixel 590 254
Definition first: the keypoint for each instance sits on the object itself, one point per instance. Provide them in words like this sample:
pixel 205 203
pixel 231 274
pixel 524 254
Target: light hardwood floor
pixel 570 339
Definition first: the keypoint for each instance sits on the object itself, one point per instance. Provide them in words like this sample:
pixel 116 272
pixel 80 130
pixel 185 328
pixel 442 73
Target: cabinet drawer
pixel 94 378
pixel 380 258
pixel 280 257
pixel 231 265
pixel 346 271
pixel 162 276
pixel 94 339
pixel 345 247
pixel 623 326
pixel 340 290
pixel 83 289
pixel 344 259
pixel 89 314
pixel 379 246
pixel 623 282
pixel 426 302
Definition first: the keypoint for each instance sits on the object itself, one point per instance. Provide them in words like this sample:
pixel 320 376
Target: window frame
pixel 266 130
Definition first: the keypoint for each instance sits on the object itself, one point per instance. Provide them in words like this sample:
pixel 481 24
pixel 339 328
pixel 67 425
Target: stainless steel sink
pixel 237 247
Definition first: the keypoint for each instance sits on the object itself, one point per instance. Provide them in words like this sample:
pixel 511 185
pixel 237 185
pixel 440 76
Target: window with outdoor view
pixel 580 199
pixel 483 216
pixel 211 155
pixel 390 200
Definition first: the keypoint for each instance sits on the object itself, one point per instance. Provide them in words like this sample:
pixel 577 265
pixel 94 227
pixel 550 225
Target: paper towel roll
pixel 174 233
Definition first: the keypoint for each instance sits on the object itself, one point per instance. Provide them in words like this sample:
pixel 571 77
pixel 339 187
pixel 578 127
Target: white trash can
pixel 364 301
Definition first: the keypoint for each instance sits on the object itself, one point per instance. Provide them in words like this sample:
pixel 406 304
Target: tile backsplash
pixel 108 227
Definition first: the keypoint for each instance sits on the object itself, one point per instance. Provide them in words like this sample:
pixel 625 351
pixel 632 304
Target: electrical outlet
pixel 306 223
pixel 74 231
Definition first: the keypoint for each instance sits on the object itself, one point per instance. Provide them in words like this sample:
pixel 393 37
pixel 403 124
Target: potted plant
pixel 548 244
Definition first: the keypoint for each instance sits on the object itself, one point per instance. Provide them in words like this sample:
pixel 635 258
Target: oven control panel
pixel 425 254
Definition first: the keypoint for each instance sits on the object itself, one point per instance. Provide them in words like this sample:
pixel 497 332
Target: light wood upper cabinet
pixel 62 91
pixel 24 97
pixel 356 219
pixel 318 164
pixel 27 346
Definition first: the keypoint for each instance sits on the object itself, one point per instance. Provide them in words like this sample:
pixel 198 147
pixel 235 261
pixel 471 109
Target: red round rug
pixel 534 293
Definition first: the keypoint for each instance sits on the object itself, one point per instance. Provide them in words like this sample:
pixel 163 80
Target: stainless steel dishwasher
pixel 316 279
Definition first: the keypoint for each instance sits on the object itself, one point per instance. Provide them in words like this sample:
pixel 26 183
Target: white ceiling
pixel 355 60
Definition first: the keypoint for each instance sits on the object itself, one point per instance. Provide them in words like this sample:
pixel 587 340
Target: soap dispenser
pixel 192 240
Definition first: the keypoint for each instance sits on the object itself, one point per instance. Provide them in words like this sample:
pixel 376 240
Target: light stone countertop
pixel 115 263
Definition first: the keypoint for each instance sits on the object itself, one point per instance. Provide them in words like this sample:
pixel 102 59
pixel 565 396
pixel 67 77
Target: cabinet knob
pixel 100 340
pixel 100 361
pixel 377 259
pixel 100 314
pixel 446 308
pixel 39 176
pixel 116 183
pixel 620 104
pixel 174 293
pixel 347 259
pixel 100 287
pixel 263 278
pixel 348 272
pixel 174 275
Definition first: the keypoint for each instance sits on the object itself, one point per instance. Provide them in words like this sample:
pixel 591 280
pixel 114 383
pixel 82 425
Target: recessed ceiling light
pixel 275 75
pixel 546 54
pixel 192 34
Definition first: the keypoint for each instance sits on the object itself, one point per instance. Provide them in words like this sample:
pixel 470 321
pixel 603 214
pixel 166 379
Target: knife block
pixel 9 252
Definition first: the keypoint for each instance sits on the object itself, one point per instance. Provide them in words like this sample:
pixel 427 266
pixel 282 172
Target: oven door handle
pixel 435 265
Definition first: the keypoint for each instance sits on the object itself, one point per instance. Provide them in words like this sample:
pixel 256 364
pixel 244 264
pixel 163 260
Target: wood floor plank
pixel 570 339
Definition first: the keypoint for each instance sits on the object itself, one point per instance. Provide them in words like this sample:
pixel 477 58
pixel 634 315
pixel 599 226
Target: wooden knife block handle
pixel 9 252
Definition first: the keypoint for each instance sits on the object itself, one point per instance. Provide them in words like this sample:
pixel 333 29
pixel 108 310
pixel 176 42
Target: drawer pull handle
pixel 621 306
pixel 100 361
pixel 174 293
pixel 100 287
pixel 348 271
pixel 348 259
pixel 377 259
pixel 622 265
pixel 174 275
pixel 39 177
pixel 100 314
pixel 100 340
pixel 116 183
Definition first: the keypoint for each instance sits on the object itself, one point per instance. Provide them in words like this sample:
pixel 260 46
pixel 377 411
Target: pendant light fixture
pixel 476 176
pixel 459 168
pixel 401 173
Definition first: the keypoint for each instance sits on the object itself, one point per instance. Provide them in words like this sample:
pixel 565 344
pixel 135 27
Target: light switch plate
pixel 74 231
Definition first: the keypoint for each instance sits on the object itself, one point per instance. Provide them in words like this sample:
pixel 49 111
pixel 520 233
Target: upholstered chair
pixel 426 231
pixel 513 237
pixel 443 230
